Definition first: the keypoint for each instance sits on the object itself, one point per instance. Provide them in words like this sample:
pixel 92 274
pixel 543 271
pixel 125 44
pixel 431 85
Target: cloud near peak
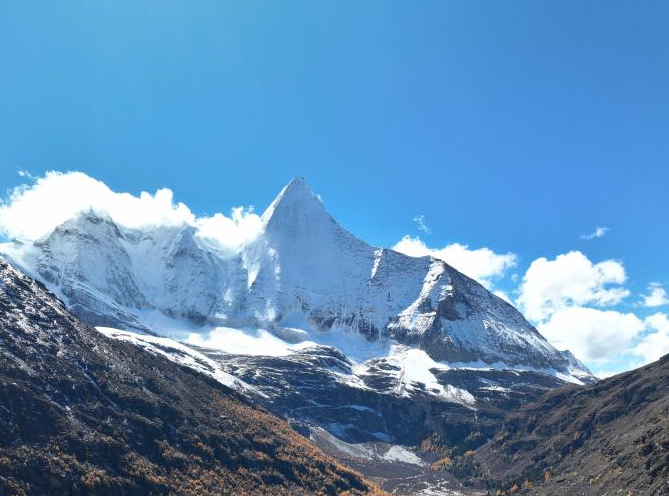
pixel 33 210
pixel 592 334
pixel 481 264
pixel 570 279
pixel 569 298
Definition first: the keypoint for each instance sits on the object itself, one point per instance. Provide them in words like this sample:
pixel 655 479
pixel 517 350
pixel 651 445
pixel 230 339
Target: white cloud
pixel 655 343
pixel 481 264
pixel 503 295
pixel 570 280
pixel 592 334
pixel 243 225
pixel 33 210
pixel 559 295
pixel 604 374
pixel 420 222
pixel 657 296
pixel 597 233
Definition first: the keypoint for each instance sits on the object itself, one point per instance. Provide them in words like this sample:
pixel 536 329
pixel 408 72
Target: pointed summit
pixel 295 205
pixel 298 183
pixel 303 244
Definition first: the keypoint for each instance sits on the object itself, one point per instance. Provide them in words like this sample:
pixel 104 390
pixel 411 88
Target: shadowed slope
pixel 611 437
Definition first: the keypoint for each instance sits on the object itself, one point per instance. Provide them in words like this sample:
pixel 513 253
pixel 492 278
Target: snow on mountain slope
pixel 178 353
pixel 85 261
pixel 303 279
pixel 305 267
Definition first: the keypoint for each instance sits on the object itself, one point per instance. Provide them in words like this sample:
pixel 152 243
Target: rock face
pixel 303 271
pixel 607 438
pixel 81 414
pixel 84 258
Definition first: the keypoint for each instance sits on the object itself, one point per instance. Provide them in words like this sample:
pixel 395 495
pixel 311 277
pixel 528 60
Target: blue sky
pixel 514 126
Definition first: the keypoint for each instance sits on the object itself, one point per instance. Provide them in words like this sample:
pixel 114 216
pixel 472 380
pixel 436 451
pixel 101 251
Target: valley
pixel 401 368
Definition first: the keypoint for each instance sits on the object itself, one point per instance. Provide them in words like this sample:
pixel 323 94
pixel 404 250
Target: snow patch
pixel 181 354
pixel 479 365
pixel 379 451
pixel 398 453
pixel 416 370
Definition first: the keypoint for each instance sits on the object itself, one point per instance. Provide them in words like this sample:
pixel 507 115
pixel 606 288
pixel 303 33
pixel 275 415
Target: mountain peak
pixel 298 182
pixel 87 221
pixel 295 203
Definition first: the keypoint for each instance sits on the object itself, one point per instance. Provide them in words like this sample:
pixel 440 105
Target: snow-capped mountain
pixel 303 278
pixel 305 266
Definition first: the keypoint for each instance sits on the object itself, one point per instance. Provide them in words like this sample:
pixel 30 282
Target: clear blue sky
pixel 513 125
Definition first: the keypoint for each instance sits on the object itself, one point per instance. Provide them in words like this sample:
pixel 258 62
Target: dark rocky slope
pixel 82 415
pixel 302 388
pixel 609 438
